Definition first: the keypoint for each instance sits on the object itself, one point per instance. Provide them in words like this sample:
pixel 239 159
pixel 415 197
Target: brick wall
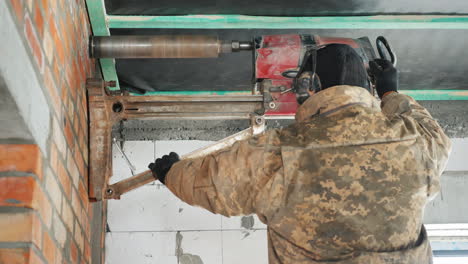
pixel 45 214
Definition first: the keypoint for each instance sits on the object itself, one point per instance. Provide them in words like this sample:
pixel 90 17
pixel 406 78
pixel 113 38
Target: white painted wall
pixel 150 225
pixel 21 78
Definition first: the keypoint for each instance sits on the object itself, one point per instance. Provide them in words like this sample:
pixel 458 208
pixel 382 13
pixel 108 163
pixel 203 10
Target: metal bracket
pixel 106 109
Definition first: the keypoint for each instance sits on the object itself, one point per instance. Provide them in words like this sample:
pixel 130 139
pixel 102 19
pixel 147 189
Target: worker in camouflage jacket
pixel 347 183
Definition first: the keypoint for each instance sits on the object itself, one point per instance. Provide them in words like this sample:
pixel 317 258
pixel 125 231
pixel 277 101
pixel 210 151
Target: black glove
pixel 386 76
pixel 302 85
pixel 162 166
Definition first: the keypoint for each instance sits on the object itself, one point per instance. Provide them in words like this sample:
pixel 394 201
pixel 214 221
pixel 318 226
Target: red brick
pixel 81 69
pixel 42 204
pixel 83 23
pixel 64 96
pixel 81 80
pixel 53 158
pixel 60 232
pixel 67 215
pixel 82 117
pixel 53 91
pixel 90 212
pixel 52 6
pixel 58 43
pixel 33 42
pixel 16 227
pixel 83 194
pixel 69 77
pixel 65 113
pixel 21 157
pixel 83 145
pixel 84 111
pixel 76 123
pixel 81 142
pixel 26 193
pixel 88 65
pixel 69 134
pixel 45 5
pixel 48 46
pixel 73 169
pixel 19 256
pixel 61 5
pixel 34 258
pixel 74 37
pixel 87 252
pixel 73 251
pixel 37 232
pixel 79 237
pixel 53 189
pixel 64 179
pixel 39 20
pixel 71 110
pixel 76 205
pixel 58 258
pixel 18 7
pixel 86 225
pixel 17 191
pixel 49 248
pixel 76 85
pixel 66 37
pixel 80 163
pixel 46 212
pixel 14 255
pixel 58 137
pixel 58 74
pixel 82 27
pixel 85 148
pixel 29 6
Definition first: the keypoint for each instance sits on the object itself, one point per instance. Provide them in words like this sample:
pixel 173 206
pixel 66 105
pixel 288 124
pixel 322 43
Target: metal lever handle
pixel 382 45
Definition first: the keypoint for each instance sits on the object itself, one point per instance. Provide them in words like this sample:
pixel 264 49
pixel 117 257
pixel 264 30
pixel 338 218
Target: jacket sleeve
pixel 438 144
pixel 226 182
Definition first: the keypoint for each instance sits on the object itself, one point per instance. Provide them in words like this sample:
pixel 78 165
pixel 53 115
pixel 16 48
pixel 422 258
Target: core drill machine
pixel 278 61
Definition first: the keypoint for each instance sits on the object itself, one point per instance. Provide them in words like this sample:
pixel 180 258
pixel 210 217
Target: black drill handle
pixel 382 46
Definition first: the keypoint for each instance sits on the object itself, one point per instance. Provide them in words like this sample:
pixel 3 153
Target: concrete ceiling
pixel 284 8
pixel 428 58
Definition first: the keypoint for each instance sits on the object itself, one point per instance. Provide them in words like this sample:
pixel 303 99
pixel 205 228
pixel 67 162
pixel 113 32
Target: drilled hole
pixel 117 107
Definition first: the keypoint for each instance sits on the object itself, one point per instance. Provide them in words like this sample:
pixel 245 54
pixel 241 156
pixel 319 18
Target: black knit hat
pixel 340 64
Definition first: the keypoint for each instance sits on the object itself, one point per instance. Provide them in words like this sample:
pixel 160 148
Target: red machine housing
pixel 276 55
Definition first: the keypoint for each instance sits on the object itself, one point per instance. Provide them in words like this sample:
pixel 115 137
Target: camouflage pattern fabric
pixel 347 183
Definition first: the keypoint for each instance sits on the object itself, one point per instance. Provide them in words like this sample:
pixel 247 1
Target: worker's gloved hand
pixel 386 76
pixel 162 166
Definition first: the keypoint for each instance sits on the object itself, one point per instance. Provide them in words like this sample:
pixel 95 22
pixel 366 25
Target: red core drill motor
pixel 279 58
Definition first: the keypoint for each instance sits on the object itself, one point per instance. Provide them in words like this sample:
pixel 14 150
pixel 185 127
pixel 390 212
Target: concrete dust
pixel 185 258
pixel 247 222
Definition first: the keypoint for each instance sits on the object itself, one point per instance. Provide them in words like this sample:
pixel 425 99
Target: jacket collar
pixel 333 99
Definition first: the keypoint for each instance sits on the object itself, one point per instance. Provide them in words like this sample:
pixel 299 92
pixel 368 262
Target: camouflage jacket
pixel 347 183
